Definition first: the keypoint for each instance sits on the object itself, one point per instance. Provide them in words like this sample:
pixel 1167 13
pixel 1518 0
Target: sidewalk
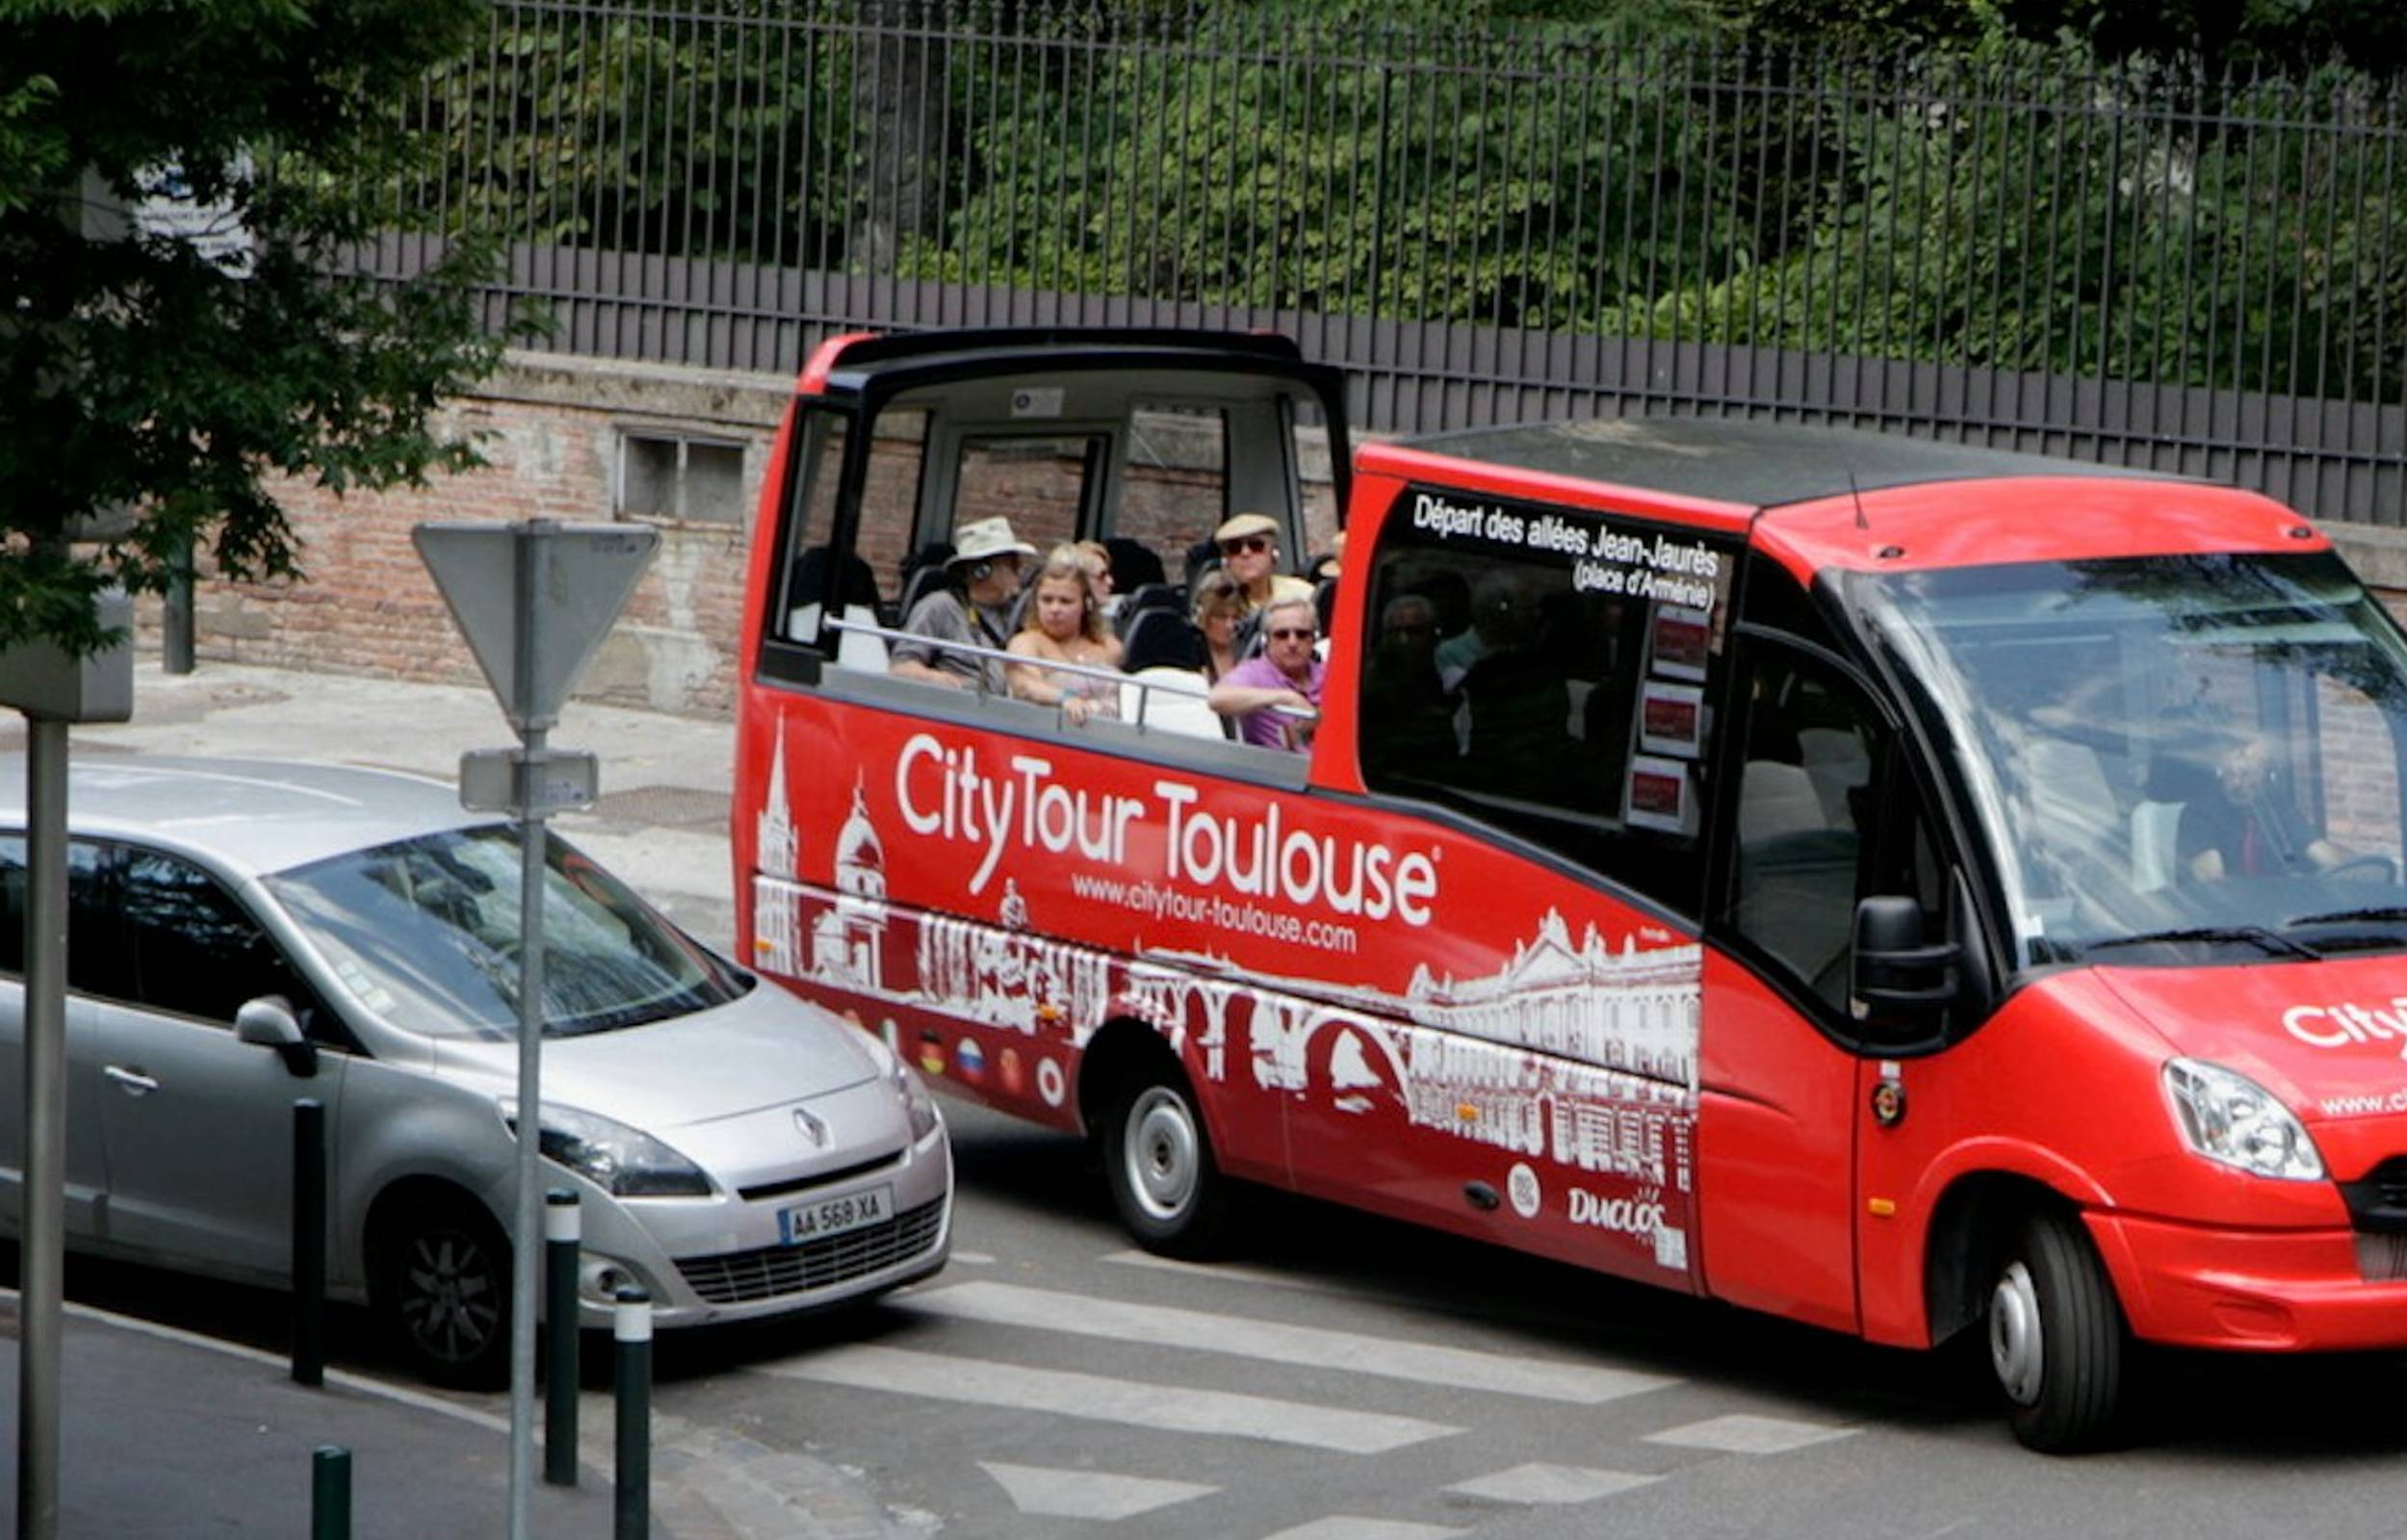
pixel 167 1436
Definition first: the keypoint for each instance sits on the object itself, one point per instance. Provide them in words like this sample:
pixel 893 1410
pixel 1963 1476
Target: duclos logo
pixel 2337 1026
pixel 947 794
pixel 1641 1215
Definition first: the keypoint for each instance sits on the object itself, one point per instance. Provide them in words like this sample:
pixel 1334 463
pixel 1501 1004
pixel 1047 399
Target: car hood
pixel 766 1049
pixel 2329 1038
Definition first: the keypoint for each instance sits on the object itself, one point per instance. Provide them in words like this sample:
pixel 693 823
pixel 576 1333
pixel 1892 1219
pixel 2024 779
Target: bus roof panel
pixel 1736 460
pixel 889 360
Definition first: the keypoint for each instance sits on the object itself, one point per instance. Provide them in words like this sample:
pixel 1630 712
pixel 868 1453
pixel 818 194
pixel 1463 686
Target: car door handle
pixel 132 1082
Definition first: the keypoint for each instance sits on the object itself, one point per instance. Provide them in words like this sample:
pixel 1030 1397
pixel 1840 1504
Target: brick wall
pixel 551 430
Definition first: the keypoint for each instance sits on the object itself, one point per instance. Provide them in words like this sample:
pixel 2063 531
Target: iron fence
pixel 2013 246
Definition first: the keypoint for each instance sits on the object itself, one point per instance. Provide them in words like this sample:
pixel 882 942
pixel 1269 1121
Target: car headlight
pixel 918 1103
pixel 2230 1118
pixel 622 1160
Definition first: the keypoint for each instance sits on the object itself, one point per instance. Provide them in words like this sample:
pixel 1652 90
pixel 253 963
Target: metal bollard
pixel 631 1327
pixel 309 1241
pixel 561 1226
pixel 330 1493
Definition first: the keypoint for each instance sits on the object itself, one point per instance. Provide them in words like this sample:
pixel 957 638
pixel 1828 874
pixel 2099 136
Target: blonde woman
pixel 1218 608
pixel 1064 624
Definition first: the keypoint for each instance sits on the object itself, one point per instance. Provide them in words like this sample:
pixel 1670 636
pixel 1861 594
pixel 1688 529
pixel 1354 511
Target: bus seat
pixel 1152 595
pixel 1162 638
pixel 859 650
pixel 2156 828
pixel 1178 708
pixel 1775 798
pixel 923 581
pixel 1836 760
pixel 2071 805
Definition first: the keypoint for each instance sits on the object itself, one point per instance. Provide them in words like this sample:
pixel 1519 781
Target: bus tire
pixel 2058 1343
pixel 1158 1161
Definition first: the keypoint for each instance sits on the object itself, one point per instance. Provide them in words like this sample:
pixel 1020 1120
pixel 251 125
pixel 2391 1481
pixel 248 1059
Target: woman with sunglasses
pixel 1287 675
pixel 1249 552
pixel 1064 624
pixel 1218 611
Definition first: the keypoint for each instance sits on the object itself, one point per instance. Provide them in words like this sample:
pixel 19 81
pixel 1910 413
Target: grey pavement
pixel 164 1434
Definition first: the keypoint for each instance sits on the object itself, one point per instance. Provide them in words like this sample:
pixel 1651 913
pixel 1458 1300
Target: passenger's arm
pixel 911 668
pixel 1026 681
pixel 1240 700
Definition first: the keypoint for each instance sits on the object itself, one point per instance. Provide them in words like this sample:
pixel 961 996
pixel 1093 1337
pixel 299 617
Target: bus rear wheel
pixel 1158 1159
pixel 2058 1343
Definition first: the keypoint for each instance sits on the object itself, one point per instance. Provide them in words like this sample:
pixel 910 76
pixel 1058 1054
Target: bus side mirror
pixel 1897 971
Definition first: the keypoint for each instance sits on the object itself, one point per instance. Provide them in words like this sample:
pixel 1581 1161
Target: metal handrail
pixel 1145 687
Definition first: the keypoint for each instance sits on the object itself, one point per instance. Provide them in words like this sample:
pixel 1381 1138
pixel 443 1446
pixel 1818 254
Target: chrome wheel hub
pixel 2017 1350
pixel 1160 1153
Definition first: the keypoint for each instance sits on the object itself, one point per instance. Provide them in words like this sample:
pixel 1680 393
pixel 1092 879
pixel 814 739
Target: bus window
pixel 1803 815
pixel 1546 693
pixel 1041 485
pixel 1175 490
pixel 871 573
pixel 2357 767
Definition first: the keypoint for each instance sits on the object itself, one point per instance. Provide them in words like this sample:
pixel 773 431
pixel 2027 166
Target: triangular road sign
pixel 534 600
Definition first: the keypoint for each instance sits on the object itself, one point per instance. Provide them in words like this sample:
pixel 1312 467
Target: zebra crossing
pixel 963 1341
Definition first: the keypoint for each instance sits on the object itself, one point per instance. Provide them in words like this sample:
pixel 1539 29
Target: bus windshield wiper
pixel 2371 914
pixel 2271 941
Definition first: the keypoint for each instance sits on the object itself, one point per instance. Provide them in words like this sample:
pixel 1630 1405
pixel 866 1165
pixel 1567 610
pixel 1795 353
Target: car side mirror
pixel 268 1022
pixel 1897 972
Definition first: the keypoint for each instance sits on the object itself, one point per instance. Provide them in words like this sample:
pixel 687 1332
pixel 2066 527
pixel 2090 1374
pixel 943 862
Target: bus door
pixel 1823 811
pixel 1536 697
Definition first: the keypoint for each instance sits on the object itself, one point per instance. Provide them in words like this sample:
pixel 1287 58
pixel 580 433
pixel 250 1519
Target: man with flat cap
pixel 973 610
pixel 1249 550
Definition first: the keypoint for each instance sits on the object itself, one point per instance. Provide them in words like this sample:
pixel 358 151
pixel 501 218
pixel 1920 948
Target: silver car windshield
pixel 2169 757
pixel 424 933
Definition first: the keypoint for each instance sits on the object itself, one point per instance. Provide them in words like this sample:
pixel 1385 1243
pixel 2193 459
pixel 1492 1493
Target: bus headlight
pixel 2231 1120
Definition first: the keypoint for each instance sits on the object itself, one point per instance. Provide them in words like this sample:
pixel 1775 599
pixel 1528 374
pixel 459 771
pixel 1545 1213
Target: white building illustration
pixel 1627 1010
pixel 849 940
pixel 775 924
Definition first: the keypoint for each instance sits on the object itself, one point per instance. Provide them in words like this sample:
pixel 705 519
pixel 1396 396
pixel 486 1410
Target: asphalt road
pixel 1348 1378
pixel 1352 1379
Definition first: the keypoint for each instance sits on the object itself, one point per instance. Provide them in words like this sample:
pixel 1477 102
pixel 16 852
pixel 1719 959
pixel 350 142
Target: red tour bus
pixel 1908 889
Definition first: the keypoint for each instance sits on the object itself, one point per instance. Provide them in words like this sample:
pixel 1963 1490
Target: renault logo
pixel 813 1129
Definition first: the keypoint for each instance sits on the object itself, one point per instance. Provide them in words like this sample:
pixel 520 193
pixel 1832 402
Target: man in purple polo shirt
pixel 1287 674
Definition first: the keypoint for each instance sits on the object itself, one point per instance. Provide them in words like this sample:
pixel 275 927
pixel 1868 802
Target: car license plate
pixel 833 1216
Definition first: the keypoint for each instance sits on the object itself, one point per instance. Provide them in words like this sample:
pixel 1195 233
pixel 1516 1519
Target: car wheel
pixel 2056 1337
pixel 445 1292
pixel 1158 1159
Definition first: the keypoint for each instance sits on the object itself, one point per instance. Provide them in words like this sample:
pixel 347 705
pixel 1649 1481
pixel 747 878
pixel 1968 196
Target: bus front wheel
pixel 2056 1338
pixel 1157 1159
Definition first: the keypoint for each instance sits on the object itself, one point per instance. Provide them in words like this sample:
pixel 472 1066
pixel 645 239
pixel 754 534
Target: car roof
pixel 1743 462
pixel 248 816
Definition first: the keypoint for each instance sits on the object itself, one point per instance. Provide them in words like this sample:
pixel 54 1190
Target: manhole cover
pixel 663 804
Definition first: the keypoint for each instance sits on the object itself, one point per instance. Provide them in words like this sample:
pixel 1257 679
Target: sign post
pixel 53 690
pixel 533 600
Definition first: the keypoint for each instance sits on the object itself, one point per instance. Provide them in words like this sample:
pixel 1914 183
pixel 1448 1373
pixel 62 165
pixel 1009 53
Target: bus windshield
pixel 2169 757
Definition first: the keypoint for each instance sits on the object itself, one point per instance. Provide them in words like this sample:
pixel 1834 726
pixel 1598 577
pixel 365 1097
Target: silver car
pixel 245 934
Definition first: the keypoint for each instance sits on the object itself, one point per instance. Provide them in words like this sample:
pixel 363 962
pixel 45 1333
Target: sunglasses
pixel 1289 633
pixel 1245 545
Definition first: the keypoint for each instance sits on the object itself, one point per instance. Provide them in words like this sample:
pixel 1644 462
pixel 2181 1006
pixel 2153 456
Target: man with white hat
pixel 973 610
pixel 1249 549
